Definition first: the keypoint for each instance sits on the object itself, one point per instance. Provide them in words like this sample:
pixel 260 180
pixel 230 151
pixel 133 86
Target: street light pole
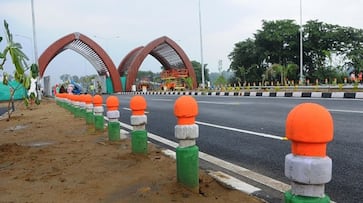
pixel 201 44
pixel 35 52
pixel 34 35
pixel 301 45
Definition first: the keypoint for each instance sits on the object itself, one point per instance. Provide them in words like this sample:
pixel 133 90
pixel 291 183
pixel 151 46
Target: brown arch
pixel 60 45
pixel 125 63
pixel 142 54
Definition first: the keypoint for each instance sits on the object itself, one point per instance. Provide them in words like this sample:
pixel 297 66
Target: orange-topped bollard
pixel 82 105
pixel 186 109
pixel 186 131
pixel 89 109
pixel 69 101
pixel 309 126
pixel 138 121
pixel 113 115
pixel 74 104
pixel 306 119
pixel 64 102
pixel 57 98
pixel 78 105
pixel 98 113
pixel 138 105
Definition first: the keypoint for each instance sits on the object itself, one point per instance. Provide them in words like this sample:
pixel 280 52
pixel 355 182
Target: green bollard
pixel 309 127
pixel 113 115
pixel 186 131
pixel 89 118
pixel 98 113
pixel 187 166
pixel 138 120
pixel 291 198
pixel 113 131
pixel 99 122
pixel 88 109
pixel 139 141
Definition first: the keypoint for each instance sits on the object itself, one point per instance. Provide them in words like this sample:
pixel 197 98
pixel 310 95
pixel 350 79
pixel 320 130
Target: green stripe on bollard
pixel 187 166
pixel 76 112
pixel 113 131
pixel 83 113
pixel 99 122
pixel 291 198
pixel 89 118
pixel 73 109
pixel 139 141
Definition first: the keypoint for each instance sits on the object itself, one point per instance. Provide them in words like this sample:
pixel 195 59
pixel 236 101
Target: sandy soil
pixel 47 155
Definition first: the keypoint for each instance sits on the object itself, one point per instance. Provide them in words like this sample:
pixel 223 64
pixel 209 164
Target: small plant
pixel 340 86
pixel 19 60
pixel 277 88
pixel 355 85
pixel 189 82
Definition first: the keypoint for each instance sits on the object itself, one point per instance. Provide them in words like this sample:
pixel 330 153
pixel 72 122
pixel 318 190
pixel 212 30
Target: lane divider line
pixel 236 129
pixel 344 111
pixel 128 109
pixel 242 131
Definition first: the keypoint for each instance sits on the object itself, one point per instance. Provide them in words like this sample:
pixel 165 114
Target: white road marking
pixel 232 182
pixel 128 109
pixel 223 103
pixel 344 111
pixel 223 178
pixel 162 99
pixel 242 131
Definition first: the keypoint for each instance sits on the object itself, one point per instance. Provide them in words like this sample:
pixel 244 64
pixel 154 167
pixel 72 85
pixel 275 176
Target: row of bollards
pixel 309 127
pixel 91 108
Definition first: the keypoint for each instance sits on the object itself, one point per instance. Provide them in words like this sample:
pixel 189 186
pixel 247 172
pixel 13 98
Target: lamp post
pixel 35 51
pixel 201 44
pixel 301 45
pixel 34 35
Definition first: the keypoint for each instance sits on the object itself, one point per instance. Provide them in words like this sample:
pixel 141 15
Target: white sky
pixel 122 25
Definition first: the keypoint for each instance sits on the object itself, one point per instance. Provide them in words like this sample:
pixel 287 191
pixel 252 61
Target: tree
pixel 65 77
pixel 145 74
pixel 198 71
pixel 221 80
pixel 278 43
pixel 284 73
pixel 188 82
pixel 75 78
pixel 87 81
pixel 19 60
pixel 245 61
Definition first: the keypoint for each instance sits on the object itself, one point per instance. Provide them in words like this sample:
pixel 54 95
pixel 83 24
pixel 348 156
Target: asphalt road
pixel 265 155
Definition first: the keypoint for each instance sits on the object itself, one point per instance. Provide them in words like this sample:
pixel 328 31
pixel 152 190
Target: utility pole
pixel 301 45
pixel 35 51
pixel 201 45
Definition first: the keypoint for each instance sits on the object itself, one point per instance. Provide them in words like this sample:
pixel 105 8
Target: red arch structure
pixel 165 50
pixel 88 49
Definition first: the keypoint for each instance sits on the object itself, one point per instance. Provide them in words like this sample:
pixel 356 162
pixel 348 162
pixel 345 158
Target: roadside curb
pixel 298 94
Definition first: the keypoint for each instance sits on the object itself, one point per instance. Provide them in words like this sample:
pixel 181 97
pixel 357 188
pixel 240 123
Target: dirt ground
pixel 47 155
